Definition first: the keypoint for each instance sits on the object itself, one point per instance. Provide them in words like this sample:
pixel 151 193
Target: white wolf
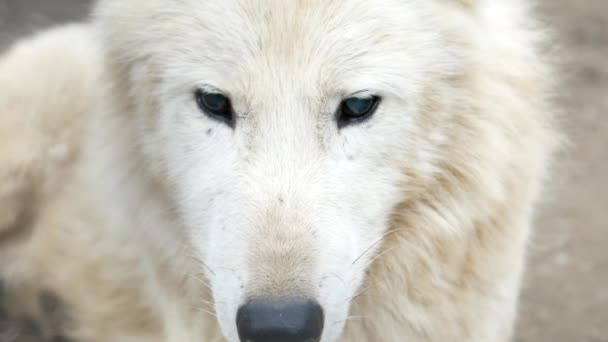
pixel 338 170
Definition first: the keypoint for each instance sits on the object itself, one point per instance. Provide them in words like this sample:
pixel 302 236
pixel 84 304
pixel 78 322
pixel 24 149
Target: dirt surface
pixel 566 295
pixel 566 291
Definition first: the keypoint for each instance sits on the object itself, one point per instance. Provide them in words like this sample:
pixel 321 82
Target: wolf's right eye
pixel 356 109
pixel 215 106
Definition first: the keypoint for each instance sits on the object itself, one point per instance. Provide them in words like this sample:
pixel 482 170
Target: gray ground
pixel 566 294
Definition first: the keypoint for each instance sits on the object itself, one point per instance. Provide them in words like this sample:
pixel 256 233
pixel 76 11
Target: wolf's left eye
pixel 216 106
pixel 356 109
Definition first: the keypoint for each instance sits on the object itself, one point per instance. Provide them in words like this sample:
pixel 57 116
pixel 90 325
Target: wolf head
pixel 289 132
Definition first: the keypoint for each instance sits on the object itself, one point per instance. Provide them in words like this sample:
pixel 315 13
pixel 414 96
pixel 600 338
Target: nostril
pixel 285 320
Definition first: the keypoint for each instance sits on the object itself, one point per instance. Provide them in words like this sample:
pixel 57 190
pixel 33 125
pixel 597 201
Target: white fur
pixel 411 226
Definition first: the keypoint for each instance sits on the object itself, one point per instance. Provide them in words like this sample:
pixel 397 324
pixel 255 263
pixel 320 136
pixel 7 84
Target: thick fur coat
pixel 147 220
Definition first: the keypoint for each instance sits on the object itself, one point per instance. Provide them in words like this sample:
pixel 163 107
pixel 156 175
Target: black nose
pixel 287 320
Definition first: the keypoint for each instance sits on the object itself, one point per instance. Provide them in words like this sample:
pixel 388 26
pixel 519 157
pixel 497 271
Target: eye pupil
pixel 215 102
pixel 356 109
pixel 356 106
pixel 215 105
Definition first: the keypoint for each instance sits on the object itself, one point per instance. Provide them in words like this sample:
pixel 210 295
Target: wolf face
pixel 287 132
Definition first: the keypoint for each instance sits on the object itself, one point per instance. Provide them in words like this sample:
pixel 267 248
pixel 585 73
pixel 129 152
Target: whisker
pixel 349 318
pixel 205 311
pixel 377 257
pixel 202 281
pixel 204 301
pixel 358 294
pixel 374 244
pixel 198 260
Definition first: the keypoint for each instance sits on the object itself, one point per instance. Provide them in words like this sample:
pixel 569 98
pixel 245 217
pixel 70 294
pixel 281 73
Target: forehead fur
pixel 230 42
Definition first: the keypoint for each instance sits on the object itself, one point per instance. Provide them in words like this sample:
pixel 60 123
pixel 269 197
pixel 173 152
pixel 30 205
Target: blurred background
pixel 566 288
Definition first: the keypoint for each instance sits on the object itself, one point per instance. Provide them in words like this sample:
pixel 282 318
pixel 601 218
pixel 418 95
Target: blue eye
pixel 216 106
pixel 356 109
